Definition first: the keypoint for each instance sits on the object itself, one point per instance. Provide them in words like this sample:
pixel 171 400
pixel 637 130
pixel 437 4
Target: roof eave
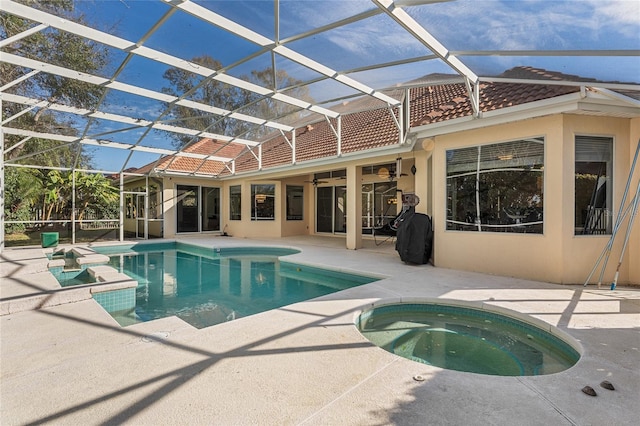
pixel 315 165
pixel 557 105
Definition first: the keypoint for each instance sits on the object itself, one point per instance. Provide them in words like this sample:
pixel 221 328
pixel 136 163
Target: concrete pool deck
pixel 306 363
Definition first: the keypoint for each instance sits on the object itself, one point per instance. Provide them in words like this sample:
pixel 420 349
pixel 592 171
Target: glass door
pixel 324 209
pixel 340 209
pixel 331 209
pixel 139 206
pixel 187 208
pixel 210 209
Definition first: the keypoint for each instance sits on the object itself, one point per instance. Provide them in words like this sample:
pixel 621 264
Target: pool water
pixel 71 274
pixel 205 286
pixel 466 339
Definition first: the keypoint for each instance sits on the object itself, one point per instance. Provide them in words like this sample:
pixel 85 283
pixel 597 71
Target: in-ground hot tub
pixel 469 337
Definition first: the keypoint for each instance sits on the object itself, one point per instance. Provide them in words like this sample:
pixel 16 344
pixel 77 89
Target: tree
pixel 22 190
pixel 30 190
pixel 213 93
pixel 230 98
pixel 94 189
pixel 55 47
pixel 56 192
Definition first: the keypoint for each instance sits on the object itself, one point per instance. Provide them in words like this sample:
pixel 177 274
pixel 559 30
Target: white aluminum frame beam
pixel 211 17
pixel 134 122
pixel 111 144
pixel 135 90
pixel 155 55
pixel 423 36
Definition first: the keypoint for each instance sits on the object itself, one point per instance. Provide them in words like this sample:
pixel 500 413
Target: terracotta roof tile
pixel 376 128
pixel 172 163
pixel 432 104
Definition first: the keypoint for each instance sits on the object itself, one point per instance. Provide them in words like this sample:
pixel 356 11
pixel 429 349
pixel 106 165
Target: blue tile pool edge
pixel 211 251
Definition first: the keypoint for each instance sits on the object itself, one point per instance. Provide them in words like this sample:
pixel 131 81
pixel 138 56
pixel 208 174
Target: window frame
pixel 489 214
pixel 233 197
pixel 608 212
pixel 300 190
pixel 266 201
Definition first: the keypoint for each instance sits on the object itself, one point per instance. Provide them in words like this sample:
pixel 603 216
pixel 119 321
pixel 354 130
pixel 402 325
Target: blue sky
pixel 463 25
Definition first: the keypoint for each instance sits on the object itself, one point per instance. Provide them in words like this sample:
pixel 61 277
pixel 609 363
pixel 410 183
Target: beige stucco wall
pixel 169 200
pixel 557 255
pixel 581 252
pixel 295 227
pixel 267 228
pixel 634 243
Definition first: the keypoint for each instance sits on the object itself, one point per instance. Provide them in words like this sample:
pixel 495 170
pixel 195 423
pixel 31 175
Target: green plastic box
pixel 49 239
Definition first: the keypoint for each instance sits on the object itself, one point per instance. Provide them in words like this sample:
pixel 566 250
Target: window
pixel 263 202
pixel 235 199
pixel 497 187
pixel 593 185
pixel 155 199
pixel 295 202
pixel 379 204
pixel 130 207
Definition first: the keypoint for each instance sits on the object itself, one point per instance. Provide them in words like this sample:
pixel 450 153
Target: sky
pixel 462 25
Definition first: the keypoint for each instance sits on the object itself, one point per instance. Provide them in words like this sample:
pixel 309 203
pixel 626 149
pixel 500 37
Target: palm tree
pixel 94 189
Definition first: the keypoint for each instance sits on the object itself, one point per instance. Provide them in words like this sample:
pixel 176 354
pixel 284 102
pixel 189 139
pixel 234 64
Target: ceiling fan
pixel 391 173
pixel 384 173
pixel 315 181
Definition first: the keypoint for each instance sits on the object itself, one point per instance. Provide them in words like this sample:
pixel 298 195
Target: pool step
pixel 16 297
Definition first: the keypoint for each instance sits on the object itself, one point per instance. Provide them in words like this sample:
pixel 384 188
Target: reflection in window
pixel 295 202
pixel 130 208
pixel 497 187
pixel 235 198
pixel 155 199
pixel 263 202
pixel 210 208
pixel 593 185
pixel 379 204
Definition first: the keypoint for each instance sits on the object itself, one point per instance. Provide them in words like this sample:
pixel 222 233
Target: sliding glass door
pixel 210 209
pixel 198 209
pixel 331 213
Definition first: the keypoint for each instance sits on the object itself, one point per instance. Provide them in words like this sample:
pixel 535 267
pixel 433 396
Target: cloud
pixel 621 12
pixel 481 25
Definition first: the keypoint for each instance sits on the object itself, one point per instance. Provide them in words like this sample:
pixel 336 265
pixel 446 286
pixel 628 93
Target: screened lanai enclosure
pixel 102 100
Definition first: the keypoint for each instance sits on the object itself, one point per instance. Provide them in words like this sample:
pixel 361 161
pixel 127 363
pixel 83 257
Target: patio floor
pixel 305 363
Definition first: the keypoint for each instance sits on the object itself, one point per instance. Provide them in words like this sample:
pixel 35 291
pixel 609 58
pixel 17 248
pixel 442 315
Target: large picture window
pixel 593 170
pixel 263 202
pixel 295 202
pixel 497 187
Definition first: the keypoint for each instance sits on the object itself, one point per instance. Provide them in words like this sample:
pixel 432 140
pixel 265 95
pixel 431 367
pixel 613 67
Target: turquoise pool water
pixel 71 274
pixel 466 339
pixel 208 286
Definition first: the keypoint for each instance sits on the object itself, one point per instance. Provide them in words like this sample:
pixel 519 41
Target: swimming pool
pixel 208 286
pixel 466 339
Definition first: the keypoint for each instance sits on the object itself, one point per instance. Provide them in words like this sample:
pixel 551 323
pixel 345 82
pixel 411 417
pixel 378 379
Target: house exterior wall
pixel 296 227
pixel 581 251
pixel 169 191
pixel 634 243
pixel 245 227
pixel 557 255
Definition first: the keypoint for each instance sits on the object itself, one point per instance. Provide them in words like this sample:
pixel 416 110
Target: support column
pixel 354 207
pixel 2 184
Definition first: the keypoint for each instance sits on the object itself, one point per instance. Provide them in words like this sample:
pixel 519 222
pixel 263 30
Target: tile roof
pixel 206 146
pixel 374 128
